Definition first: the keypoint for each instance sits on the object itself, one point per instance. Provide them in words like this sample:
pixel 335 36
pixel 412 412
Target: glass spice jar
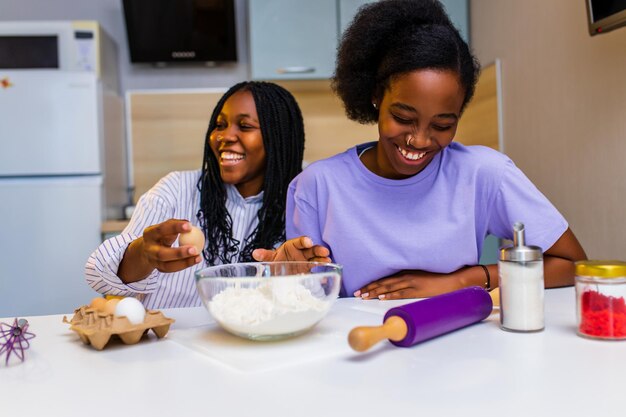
pixel 600 299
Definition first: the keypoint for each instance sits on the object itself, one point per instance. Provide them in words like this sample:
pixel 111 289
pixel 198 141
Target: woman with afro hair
pixel 407 215
pixel 253 148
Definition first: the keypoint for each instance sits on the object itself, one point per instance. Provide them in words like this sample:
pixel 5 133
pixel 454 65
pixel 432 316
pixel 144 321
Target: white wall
pixel 564 101
pixel 110 15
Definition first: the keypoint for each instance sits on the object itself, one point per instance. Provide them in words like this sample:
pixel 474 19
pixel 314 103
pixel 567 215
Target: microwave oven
pixel 76 46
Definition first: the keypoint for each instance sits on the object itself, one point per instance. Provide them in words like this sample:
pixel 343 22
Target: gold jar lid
pixel 601 269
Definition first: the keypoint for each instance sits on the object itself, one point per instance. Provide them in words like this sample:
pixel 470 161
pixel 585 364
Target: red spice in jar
pixel 602 315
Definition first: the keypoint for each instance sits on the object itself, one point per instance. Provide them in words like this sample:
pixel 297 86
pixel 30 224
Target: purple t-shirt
pixel 434 221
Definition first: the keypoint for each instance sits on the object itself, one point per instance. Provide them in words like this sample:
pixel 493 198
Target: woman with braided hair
pixel 407 215
pixel 254 147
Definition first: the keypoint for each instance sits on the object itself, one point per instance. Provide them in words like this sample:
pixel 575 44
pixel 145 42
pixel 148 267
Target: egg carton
pixel 96 328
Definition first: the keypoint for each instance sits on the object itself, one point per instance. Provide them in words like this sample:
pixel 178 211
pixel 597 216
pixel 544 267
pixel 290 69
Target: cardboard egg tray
pixel 96 328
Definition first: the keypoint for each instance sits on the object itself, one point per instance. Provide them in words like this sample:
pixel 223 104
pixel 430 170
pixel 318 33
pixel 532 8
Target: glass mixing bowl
pixel 269 300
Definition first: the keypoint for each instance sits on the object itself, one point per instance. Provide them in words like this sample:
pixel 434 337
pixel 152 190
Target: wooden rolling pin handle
pixel 495 296
pixel 364 337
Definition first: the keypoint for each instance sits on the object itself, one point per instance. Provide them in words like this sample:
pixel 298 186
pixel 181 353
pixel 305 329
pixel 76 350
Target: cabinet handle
pixel 295 70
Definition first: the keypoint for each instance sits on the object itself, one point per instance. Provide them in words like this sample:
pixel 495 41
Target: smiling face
pixel 237 144
pixel 418 117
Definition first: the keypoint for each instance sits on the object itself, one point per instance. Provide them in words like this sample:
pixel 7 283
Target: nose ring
pixel 219 138
pixel 409 139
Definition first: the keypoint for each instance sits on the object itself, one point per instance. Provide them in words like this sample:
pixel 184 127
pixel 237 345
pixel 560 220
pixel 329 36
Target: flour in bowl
pixel 276 307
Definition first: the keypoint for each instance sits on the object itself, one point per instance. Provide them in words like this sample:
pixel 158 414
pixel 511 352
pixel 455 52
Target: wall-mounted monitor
pixel 165 31
pixel 605 15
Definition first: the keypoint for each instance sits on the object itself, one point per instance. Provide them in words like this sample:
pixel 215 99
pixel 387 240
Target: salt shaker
pixel 521 285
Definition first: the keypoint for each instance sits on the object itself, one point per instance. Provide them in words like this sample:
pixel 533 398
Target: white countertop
pixel 200 370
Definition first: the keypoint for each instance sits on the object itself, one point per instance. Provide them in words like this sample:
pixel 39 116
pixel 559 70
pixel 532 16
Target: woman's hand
pixel 158 251
pixel 297 249
pixel 421 284
pixel 154 251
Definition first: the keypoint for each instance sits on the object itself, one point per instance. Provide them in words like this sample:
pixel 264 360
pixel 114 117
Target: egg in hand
pixel 194 237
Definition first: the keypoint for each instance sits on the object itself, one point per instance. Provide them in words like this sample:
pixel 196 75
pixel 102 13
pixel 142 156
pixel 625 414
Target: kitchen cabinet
pixel 458 11
pixel 297 39
pixel 347 11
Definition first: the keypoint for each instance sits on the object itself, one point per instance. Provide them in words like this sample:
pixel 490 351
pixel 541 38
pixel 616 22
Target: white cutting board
pixel 328 339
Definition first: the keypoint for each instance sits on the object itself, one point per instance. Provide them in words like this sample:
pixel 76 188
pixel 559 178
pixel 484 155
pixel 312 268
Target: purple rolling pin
pixel 442 314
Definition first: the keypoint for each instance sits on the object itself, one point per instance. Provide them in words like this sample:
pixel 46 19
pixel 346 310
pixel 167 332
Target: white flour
pixel 278 306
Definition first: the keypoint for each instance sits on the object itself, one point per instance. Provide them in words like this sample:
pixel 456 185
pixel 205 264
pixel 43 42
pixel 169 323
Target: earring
pixel 375 105
pixel 409 139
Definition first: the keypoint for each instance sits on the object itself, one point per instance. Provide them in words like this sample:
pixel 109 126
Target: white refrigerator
pixel 62 173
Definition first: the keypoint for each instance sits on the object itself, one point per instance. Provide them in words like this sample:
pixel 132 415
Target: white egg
pixel 132 309
pixel 195 237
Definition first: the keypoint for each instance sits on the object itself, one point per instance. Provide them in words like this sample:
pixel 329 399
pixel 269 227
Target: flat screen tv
pixel 165 31
pixel 605 15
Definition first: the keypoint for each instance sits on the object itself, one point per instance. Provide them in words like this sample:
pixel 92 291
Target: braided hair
pixel 282 129
pixel 393 37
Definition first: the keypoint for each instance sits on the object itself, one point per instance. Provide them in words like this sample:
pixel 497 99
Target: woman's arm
pixel 558 272
pixel 119 265
pixel 558 265
pixel 558 261
pixel 153 251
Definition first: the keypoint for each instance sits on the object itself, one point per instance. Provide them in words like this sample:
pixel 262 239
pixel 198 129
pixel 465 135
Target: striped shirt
pixel 175 196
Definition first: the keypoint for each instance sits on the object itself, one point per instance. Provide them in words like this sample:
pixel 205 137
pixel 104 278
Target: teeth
pixel 413 156
pixel 231 156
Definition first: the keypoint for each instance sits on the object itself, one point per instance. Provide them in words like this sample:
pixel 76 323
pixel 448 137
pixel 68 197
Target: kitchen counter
pixel 112 228
pixel 198 369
